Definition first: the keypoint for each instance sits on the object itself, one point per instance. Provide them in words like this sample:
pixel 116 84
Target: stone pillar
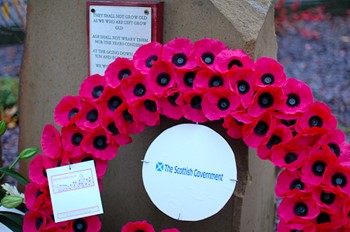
pixel 55 63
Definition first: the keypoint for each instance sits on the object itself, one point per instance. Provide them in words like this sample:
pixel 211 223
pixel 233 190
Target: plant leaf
pixel 2 127
pixel 10 201
pixel 28 153
pixel 12 220
pixel 15 175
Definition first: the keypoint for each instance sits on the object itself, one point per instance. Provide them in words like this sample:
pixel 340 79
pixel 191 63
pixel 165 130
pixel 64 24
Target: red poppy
pixel 92 87
pixel 268 98
pixel 278 137
pixel 66 110
pixel 138 226
pixel 119 137
pixel 268 72
pixel 298 207
pixel 71 139
pixel 51 142
pixel 185 79
pixel 338 177
pixel 316 165
pixel 290 183
pixel 329 198
pixel 329 221
pixel 89 116
pixel 333 141
pixel 161 78
pixel 208 79
pixel 232 59
pixel 37 170
pixel 291 155
pixel 242 83
pixel 118 70
pixel 219 102
pixel 206 51
pixel 260 128
pixel 180 54
pixel 125 121
pixel 87 224
pixel 111 100
pixel 297 96
pixel 296 225
pixel 192 109
pixel 146 111
pixel 171 105
pixel 346 211
pixel 234 123
pixel 136 87
pixel 99 143
pixel 146 56
pixel 37 220
pixel 36 196
pixel 317 115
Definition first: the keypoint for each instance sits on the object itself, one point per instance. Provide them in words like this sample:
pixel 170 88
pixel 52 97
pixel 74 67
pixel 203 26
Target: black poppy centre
pixel 97 91
pixel 72 113
pixel 290 157
pixel 208 58
pixel 267 79
pixel 124 73
pixel 114 102
pixel 76 139
pixel 315 121
pixel 243 87
pixel 127 116
pixel 223 103
pixel 301 209
pixel 38 223
pixel 216 81
pixel 274 140
pixel 150 60
pixel 293 100
pixel 327 198
pixel 334 148
pixel 139 90
pixel 163 79
pixel 265 100
pixel 318 168
pixel 196 102
pixel 92 115
pixel 261 128
pixel 80 225
pixel 297 184
pixel 234 63
pixel 100 142
pixel 339 179
pixel 112 128
pixel 323 218
pixel 179 59
pixel 150 105
pixel 189 78
pixel 172 99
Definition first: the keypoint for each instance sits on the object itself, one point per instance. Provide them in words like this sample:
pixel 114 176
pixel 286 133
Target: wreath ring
pixel 202 81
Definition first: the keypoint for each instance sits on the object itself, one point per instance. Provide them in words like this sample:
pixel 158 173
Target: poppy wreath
pixel 202 81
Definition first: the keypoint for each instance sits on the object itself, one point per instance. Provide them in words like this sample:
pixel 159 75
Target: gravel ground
pixel 319 54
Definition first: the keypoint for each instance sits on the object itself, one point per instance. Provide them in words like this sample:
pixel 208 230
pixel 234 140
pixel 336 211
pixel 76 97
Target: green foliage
pixel 8 92
pixel 12 221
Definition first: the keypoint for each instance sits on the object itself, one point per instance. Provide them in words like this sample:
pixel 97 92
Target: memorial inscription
pixel 118 31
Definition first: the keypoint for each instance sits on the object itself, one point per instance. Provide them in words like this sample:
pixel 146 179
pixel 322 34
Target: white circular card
pixel 189 172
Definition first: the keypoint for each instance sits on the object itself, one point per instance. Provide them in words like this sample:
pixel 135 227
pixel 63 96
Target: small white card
pixel 74 191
